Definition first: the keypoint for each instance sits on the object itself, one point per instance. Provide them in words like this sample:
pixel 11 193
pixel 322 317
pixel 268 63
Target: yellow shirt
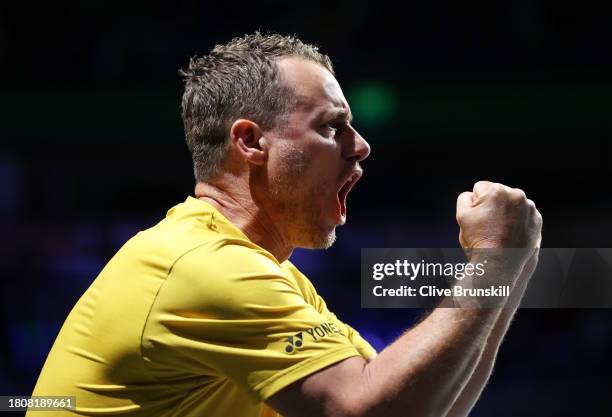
pixel 191 318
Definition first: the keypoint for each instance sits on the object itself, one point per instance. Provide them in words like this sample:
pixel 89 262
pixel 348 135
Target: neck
pixel 236 204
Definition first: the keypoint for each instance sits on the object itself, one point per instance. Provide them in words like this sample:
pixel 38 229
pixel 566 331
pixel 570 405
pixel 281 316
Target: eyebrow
pixel 337 114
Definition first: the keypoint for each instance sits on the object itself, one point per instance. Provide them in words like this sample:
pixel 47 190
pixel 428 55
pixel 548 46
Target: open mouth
pixel 344 190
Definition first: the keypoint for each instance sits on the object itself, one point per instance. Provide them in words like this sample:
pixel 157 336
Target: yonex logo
pixel 295 341
pixel 314 334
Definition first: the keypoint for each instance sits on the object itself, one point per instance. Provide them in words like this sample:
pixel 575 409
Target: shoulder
pixel 227 256
pixel 232 276
pixel 302 282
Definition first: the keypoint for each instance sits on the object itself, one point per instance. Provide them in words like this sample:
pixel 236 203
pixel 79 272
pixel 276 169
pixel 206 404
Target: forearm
pixel 484 369
pixel 426 369
pixel 473 389
pixel 443 363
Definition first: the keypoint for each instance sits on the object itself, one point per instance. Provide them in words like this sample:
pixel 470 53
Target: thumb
pixel 464 203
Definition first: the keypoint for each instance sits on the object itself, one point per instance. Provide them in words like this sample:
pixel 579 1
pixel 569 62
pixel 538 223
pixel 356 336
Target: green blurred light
pixel 373 103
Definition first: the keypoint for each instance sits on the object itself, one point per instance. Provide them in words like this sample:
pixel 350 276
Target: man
pixel 203 314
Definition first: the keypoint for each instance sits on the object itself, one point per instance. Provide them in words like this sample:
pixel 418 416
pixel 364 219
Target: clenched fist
pixel 496 216
pixel 495 221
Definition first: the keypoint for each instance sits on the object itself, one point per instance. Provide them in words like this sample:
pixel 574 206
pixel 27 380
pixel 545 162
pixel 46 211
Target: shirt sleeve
pixel 312 296
pixel 229 310
pixel 363 347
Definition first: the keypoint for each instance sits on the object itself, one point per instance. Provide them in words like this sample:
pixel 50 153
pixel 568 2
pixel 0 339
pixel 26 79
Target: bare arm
pixel 427 369
pixel 421 374
pixel 484 369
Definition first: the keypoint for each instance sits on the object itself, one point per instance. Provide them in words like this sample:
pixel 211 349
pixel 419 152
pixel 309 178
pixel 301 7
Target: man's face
pixel 313 158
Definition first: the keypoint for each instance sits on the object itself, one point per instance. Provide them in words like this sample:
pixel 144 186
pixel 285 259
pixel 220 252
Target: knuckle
pixel 536 219
pixel 482 185
pixel 517 196
pixel 463 195
pixel 519 193
pixel 495 188
pixel 531 204
pixel 498 191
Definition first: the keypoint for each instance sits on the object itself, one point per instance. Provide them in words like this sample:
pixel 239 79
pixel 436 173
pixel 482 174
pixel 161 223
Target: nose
pixel 356 147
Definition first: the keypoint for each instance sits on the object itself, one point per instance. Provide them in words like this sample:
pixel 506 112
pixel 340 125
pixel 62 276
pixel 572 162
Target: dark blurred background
pixel 447 93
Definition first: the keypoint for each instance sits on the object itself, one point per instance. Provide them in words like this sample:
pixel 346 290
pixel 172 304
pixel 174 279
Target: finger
pixel 519 193
pixel 464 203
pixel 517 196
pixel 531 204
pixel 462 241
pixel 482 188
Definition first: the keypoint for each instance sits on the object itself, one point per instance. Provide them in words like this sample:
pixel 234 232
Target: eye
pixel 331 129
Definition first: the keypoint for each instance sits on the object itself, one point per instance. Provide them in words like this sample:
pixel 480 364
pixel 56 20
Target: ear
pixel 247 137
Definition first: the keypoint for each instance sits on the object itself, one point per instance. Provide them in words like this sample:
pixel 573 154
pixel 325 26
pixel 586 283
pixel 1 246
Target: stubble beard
pixel 301 217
